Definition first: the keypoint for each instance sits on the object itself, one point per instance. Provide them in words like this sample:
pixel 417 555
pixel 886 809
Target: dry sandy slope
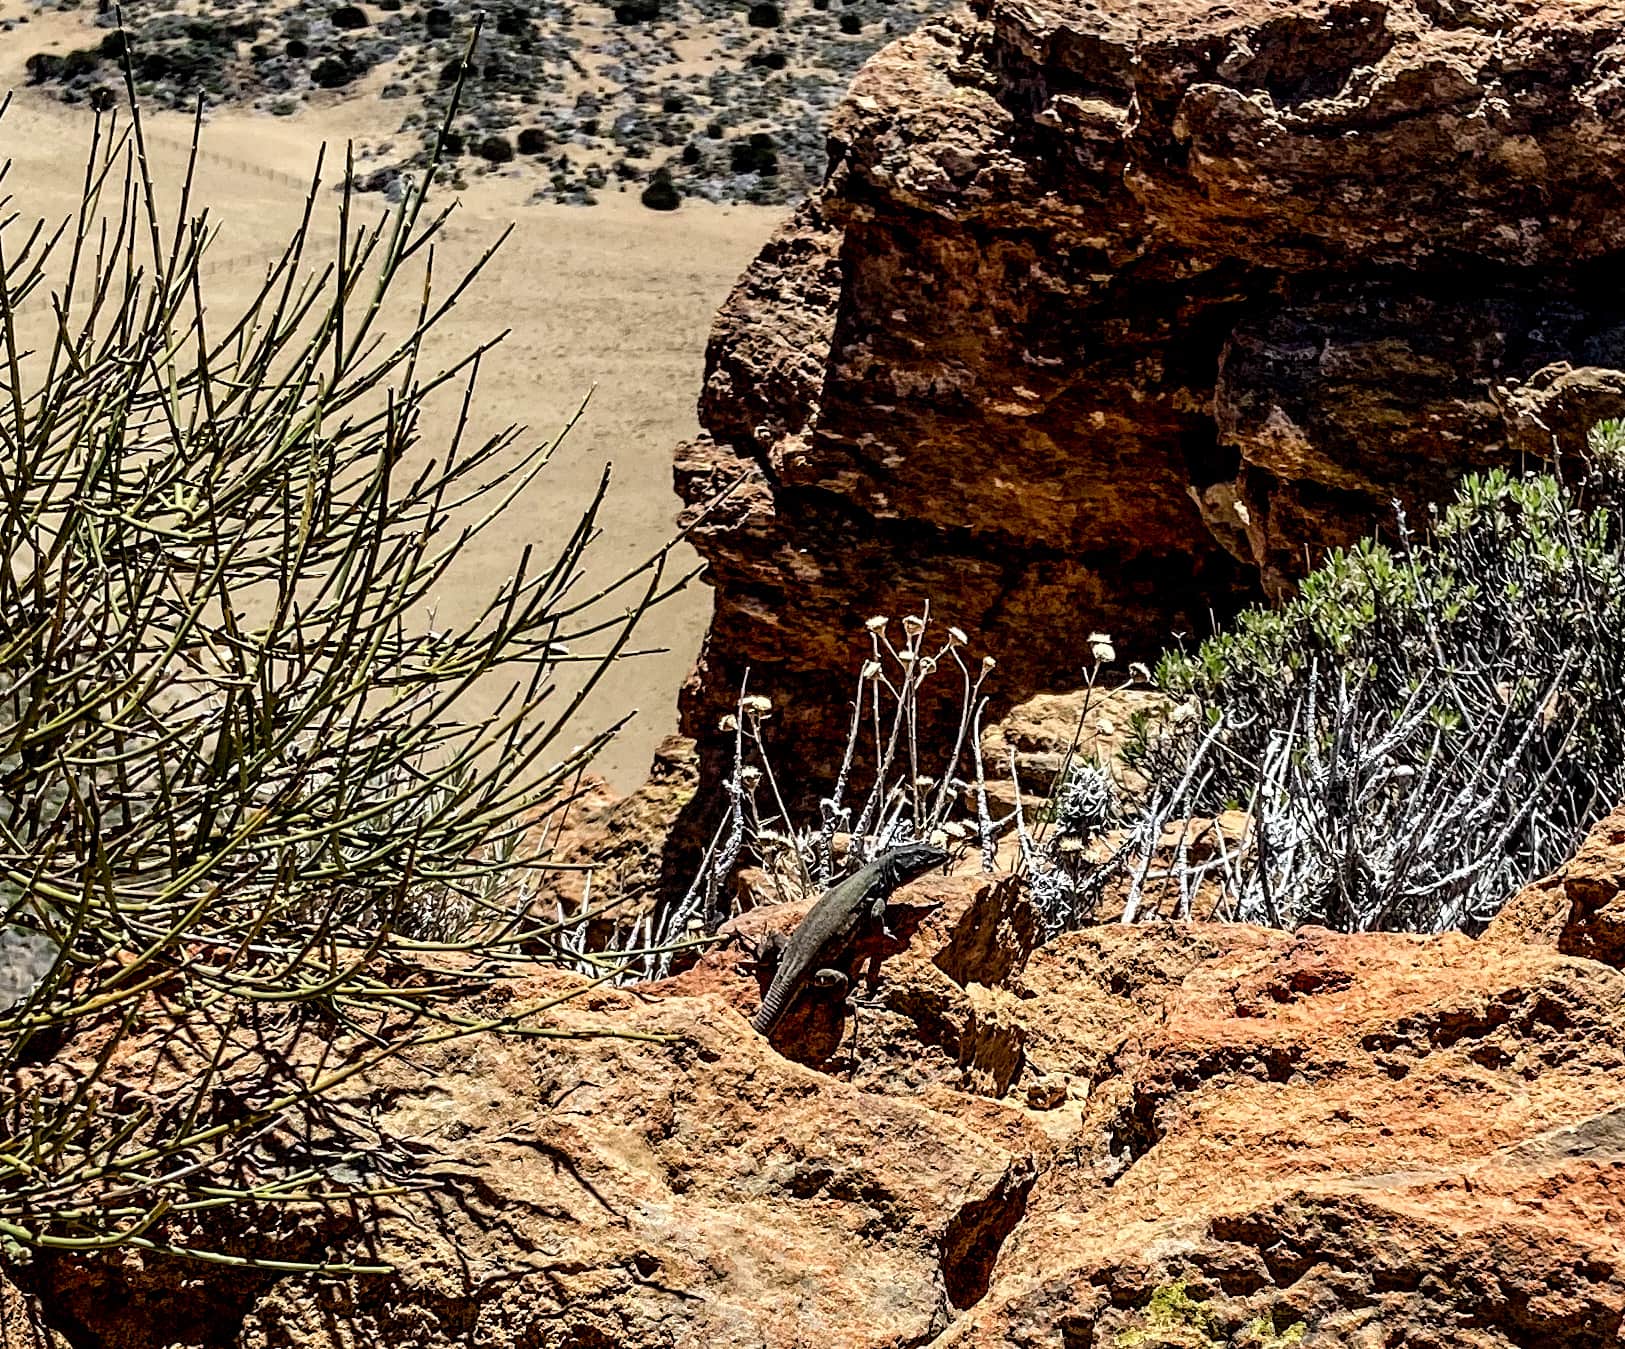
pixel 614 296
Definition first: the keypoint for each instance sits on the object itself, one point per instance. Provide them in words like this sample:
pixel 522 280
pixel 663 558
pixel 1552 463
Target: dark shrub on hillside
pixel 348 17
pixel 513 23
pixel 42 66
pixel 496 150
pixel 113 46
pixel 296 50
pixel 453 71
pixel 437 22
pixel 755 155
pixel 637 11
pixel 691 153
pixel 768 60
pixel 851 25
pixel 661 194
pixel 533 141
pixel 764 15
pixel 452 144
pixel 673 103
pixel 332 73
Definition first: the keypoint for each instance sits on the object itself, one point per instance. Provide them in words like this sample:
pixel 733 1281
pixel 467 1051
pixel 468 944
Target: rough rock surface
pixel 1112 312
pixel 1580 908
pixel 1171 1135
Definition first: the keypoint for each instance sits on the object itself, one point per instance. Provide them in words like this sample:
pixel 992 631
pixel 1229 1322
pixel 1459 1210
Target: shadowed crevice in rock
pixel 976 1235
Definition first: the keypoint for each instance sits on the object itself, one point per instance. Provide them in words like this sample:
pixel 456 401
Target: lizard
pixel 834 921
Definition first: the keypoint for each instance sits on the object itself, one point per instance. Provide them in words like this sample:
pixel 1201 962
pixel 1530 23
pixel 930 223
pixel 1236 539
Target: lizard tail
pixel 768 1014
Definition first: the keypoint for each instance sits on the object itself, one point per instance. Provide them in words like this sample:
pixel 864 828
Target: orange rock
pixel 1169 1134
pixel 1579 908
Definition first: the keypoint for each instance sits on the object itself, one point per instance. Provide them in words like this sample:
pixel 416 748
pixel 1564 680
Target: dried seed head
pixel 871 669
pixel 988 663
pixel 928 664
pixel 924 780
pixel 957 636
pixel 750 775
pixel 877 623
pixel 757 705
pixel 907 657
pixel 728 723
pixel 1106 726
pixel 1100 647
pixel 913 625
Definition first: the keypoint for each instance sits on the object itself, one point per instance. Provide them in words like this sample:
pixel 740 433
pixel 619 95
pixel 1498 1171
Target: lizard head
pixel 903 864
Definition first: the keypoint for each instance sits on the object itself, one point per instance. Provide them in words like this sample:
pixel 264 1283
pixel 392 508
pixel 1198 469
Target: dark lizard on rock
pixel 834 921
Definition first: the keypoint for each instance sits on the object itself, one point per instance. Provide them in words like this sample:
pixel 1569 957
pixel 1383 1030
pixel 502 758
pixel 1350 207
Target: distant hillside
pixel 725 98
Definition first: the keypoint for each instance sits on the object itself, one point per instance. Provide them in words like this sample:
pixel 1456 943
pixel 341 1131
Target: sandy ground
pixel 612 296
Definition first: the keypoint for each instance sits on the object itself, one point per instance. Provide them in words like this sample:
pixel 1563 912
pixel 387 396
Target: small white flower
pixel 988 663
pixel 1106 726
pixel 1100 647
pixel 750 775
pixel 877 623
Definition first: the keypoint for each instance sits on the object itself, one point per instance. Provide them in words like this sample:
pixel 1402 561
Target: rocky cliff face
pixel 1200 1136
pixel 1112 313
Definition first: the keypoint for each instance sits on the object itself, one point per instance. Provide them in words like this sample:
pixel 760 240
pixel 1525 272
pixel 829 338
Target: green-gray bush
pixel 1425 726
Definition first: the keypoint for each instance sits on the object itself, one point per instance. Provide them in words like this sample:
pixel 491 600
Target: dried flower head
pixel 728 723
pixel 750 775
pixel 957 636
pixel 871 670
pixel 928 664
pixel 757 705
pixel 1101 648
pixel 877 623
pixel 913 625
pixel 988 663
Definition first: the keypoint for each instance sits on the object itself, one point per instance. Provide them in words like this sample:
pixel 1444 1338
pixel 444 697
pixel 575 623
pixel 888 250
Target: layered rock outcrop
pixel 1113 312
pixel 1175 1135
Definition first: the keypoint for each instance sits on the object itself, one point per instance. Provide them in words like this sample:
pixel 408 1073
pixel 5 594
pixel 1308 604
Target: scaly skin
pixel 834 921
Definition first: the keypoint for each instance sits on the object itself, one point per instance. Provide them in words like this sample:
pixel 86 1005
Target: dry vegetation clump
pixel 1427 726
pixel 249 828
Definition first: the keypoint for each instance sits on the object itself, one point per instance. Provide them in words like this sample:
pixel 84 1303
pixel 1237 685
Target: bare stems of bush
pixel 912 792
pixel 242 803
pixel 1423 730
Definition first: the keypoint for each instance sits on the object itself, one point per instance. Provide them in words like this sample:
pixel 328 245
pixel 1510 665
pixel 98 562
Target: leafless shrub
pixel 242 807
